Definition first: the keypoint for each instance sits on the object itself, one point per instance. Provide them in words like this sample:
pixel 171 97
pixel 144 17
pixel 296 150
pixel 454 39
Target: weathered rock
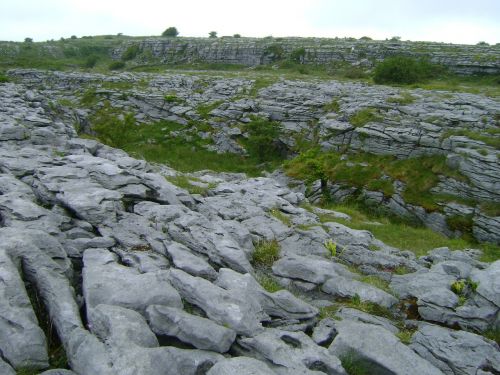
pixel 241 366
pixel 105 281
pixel 200 332
pixel 379 349
pixel 220 305
pixel 293 350
pixel 456 352
pixel 342 287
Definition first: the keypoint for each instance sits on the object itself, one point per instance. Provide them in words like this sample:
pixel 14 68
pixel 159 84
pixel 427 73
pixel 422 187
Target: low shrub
pixel 131 52
pixel 405 70
pixel 116 65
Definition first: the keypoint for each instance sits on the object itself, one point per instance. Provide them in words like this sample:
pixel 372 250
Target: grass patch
pixel 364 116
pixel 375 281
pixel 368 307
pixel 405 335
pixel 403 99
pixel 491 138
pixel 491 209
pixel 354 365
pixel 269 283
pixel 266 252
pixel 493 334
pixel 187 184
pixel 285 219
pixel 204 109
pixel 261 83
pixel 329 312
pixel 333 106
pixel 155 142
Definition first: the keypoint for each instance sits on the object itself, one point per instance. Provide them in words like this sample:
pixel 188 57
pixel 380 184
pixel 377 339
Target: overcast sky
pixel 456 21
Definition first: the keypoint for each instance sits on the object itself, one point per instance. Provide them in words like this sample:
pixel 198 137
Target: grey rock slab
pixel 342 287
pixel 378 348
pixel 58 372
pixel 22 341
pixel 456 352
pixel 200 332
pixel 324 332
pixel 362 317
pixel 312 269
pixel 107 282
pixel 295 351
pixel 281 304
pixel 5 369
pixel 190 263
pixel 240 366
pixel 119 326
pixel 220 305
pixel 488 282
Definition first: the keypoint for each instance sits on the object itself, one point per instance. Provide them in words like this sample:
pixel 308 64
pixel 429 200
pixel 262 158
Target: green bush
pixel 131 52
pixel 116 65
pixel 212 34
pixel 91 61
pixel 263 140
pixel 405 70
pixel 170 32
pixel 3 78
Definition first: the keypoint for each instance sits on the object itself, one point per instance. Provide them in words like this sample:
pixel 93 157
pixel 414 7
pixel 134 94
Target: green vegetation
pixel 269 283
pixel 364 116
pixel 405 335
pixel 172 98
pixel 404 99
pixel 204 109
pixel 402 235
pixel 212 34
pixel 355 365
pixel 377 282
pixel 491 137
pixel 3 78
pixel 493 334
pixel 375 172
pixel 266 252
pixel 333 106
pixel 264 140
pixel 131 52
pixel 191 184
pixel 405 70
pixel 170 32
pixel 116 65
pixel 490 208
pixel 331 246
pixel 285 219
pixel 368 307
pixel 156 143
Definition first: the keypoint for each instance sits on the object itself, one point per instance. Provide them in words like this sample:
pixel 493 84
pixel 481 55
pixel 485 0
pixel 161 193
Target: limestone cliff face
pixel 462 59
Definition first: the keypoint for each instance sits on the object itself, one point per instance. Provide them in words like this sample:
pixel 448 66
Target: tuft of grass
pixel 261 83
pixel 493 334
pixel 354 365
pixel 333 106
pixel 377 282
pixel 364 116
pixel 3 78
pixel 266 252
pixel 187 183
pixel 269 284
pixel 285 219
pixel 369 307
pixel 405 335
pixel 329 312
pixel 491 209
pixel 403 99
pixel 490 137
pixel 204 109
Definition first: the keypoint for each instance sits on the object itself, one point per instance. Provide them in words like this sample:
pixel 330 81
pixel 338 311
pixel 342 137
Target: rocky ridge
pixel 138 276
pixel 462 59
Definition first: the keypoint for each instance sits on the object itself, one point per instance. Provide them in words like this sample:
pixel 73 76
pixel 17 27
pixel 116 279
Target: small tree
pixel 170 32
pixel 28 40
pixel 237 36
pixel 212 34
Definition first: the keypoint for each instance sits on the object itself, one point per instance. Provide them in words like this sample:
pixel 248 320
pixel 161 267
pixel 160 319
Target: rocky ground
pixel 138 276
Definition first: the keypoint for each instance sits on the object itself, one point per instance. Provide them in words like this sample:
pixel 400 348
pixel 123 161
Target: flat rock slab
pixel 240 366
pixel 200 332
pixel 107 282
